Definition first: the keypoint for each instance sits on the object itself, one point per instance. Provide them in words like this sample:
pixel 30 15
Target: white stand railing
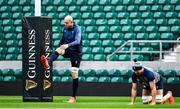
pixel 118 50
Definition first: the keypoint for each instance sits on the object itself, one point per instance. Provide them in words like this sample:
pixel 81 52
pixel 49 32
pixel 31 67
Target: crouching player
pixel 152 86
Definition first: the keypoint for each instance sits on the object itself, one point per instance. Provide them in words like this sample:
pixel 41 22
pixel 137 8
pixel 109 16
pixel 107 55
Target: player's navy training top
pixel 148 76
pixel 72 37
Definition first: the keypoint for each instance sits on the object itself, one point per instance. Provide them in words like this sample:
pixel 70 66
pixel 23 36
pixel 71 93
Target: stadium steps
pixel 172 57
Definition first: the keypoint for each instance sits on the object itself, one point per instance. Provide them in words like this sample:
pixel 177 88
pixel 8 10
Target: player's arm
pixel 61 41
pixel 153 92
pixel 77 38
pixel 75 42
pixel 133 92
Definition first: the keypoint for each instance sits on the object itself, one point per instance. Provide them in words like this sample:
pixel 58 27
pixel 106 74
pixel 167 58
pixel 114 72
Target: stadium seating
pixel 105 24
pixel 173 80
pixel 87 57
pixel 82 79
pixel 64 72
pixel 92 79
pixel 9 78
pixel 7 72
pixel 91 75
pixel 89 72
pixel 99 57
pixel 114 73
pixel 56 78
pixel 104 79
pixel 169 73
pixel 18 74
pixel 117 79
pixel 66 79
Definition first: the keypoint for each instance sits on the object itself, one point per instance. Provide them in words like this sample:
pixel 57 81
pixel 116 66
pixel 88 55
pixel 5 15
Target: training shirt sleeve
pixel 150 76
pixel 77 38
pixel 62 40
pixel 134 78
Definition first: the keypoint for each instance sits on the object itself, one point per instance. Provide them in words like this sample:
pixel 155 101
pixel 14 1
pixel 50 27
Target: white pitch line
pixel 82 108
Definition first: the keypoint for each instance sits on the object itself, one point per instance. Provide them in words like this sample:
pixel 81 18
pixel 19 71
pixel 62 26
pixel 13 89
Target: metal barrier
pixel 131 42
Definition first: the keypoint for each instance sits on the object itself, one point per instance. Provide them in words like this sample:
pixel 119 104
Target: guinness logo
pixel 47 84
pixel 30 84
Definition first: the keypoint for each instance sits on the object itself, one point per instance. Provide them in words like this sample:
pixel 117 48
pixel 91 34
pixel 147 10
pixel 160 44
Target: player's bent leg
pixel 146 95
pixel 168 97
pixel 159 99
pixel 171 98
pixel 52 58
pixel 159 96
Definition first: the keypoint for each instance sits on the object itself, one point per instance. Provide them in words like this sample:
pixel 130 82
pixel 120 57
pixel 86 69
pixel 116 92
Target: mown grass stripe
pixel 86 102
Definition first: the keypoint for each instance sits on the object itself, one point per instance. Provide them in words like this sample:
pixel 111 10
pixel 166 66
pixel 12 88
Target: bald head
pixel 68 21
pixel 68 17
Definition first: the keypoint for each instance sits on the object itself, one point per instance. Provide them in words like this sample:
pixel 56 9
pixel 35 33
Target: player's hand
pixel 64 46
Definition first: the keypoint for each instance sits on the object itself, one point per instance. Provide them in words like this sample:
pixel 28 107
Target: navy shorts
pixel 159 85
pixel 75 57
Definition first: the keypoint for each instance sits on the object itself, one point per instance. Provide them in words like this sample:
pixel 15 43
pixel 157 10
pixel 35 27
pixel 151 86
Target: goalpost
pixel 36 41
pixel 37 7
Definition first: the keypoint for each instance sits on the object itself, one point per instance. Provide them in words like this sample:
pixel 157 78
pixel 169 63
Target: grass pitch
pixel 87 102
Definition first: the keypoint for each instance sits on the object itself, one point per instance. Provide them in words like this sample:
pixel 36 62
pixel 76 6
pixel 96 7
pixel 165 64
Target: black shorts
pixel 159 85
pixel 75 57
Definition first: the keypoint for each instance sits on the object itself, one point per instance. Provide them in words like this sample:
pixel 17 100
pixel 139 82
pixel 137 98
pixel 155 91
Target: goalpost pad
pixel 36 41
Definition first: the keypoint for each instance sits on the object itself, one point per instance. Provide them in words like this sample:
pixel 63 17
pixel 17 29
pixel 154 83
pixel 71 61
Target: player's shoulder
pixel 64 29
pixel 147 69
pixel 133 75
pixel 148 72
pixel 77 27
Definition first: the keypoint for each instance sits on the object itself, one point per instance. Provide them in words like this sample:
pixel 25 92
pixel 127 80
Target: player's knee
pixel 74 71
pixel 60 51
pixel 146 99
pixel 159 99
